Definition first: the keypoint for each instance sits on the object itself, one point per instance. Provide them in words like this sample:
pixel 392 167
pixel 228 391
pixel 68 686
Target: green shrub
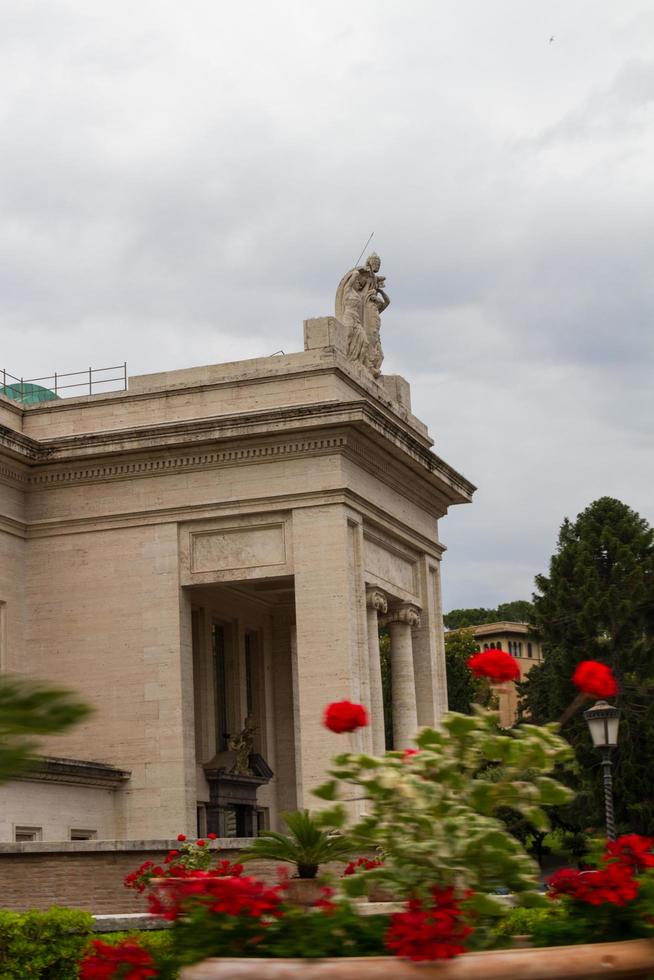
pixel 43 944
pixel 520 922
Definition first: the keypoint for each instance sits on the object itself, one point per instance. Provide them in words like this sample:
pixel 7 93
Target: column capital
pixel 405 612
pixel 375 599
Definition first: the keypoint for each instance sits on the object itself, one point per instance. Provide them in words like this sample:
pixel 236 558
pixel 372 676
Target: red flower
pixel 202 843
pixel 429 933
pixel 594 678
pixel 181 837
pixel 613 885
pixel 127 959
pixel 409 754
pixel 212 836
pixel 139 879
pixel 343 716
pixel 563 882
pixel 362 863
pixel 632 850
pixel 222 895
pixel 325 902
pixel 497 665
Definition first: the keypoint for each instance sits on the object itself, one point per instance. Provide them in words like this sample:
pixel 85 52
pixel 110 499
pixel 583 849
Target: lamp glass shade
pixel 603 722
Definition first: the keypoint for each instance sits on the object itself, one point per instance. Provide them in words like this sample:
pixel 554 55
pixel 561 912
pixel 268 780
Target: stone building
pixel 212 546
pixel 522 642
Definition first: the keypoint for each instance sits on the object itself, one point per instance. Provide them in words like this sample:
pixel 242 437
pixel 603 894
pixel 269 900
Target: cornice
pixel 185 431
pixel 62 458
pixel 21 445
pixel 162 465
pixel 75 772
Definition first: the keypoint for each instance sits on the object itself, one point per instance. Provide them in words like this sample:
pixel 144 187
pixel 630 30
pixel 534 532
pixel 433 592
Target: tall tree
pixel 463 688
pixel 597 603
pixel 518 611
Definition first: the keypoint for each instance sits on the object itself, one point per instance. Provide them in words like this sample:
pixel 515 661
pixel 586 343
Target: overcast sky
pixel 184 183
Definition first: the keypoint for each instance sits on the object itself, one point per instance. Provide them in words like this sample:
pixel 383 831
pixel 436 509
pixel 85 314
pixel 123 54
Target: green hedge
pixel 43 944
pixel 48 945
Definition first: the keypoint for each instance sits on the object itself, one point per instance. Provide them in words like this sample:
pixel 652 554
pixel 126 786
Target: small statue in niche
pixel 242 745
pixel 360 301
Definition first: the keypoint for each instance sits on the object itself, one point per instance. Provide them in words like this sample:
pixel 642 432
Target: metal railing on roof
pixel 92 381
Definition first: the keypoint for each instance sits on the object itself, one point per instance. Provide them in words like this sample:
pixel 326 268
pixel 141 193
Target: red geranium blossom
pixel 181 837
pixel 594 678
pixel 228 895
pixel 429 933
pixel 361 864
pixel 127 960
pixel 496 665
pixel 343 716
pixel 612 885
pixel 324 903
pixel 632 850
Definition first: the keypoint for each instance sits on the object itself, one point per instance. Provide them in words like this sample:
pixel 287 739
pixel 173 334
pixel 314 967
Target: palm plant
pixel 307 845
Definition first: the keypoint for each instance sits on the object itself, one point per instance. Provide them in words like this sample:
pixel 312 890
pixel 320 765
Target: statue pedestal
pixel 232 809
pixel 325 331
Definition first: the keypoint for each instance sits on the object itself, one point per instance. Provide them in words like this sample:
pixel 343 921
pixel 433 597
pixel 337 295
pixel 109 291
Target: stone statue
pixel 242 744
pixel 360 301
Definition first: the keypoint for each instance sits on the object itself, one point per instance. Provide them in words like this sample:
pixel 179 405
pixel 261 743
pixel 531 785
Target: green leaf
pixel 328 791
pixel 533 900
pixel 486 905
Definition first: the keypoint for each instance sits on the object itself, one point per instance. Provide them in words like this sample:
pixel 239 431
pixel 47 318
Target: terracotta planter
pixel 631 959
pixel 303 891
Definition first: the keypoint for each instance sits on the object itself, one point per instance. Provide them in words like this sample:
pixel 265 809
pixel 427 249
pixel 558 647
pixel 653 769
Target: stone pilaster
pixel 376 603
pixel 429 646
pixel 330 619
pixel 400 621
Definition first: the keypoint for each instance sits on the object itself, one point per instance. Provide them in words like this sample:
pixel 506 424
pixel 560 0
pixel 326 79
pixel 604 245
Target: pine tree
pixel 598 604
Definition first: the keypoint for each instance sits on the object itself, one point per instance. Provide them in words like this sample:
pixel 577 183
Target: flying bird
pixel 552 38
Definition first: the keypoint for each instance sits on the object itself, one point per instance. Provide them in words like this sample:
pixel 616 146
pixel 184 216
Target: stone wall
pixel 89 874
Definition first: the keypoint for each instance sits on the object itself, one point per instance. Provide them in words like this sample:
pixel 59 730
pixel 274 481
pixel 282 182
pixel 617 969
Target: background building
pixel 521 641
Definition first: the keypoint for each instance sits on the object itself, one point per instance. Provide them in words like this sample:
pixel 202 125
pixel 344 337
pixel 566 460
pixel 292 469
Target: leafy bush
pixel 520 922
pixel 433 811
pixel 332 929
pixel 43 944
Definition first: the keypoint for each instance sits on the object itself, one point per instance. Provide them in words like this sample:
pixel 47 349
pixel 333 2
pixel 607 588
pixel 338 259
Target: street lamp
pixel 603 721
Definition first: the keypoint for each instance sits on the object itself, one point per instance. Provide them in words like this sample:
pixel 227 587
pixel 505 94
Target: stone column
pixel 376 603
pixel 400 621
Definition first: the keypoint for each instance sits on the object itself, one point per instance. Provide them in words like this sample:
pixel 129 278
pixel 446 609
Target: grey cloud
pixel 185 186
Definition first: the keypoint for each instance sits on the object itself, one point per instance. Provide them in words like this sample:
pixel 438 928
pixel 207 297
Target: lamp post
pixel 603 721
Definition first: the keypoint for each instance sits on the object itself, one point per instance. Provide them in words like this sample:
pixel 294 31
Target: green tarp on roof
pixel 28 393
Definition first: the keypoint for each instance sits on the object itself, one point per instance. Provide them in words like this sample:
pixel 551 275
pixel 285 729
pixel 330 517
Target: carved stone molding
pixel 406 613
pixel 170 464
pixel 76 772
pixel 375 599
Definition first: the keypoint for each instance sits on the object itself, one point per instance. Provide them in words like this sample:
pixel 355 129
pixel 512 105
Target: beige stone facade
pixel 209 544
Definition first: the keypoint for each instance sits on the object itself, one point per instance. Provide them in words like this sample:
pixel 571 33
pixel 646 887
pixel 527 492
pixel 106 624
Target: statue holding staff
pixel 360 301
